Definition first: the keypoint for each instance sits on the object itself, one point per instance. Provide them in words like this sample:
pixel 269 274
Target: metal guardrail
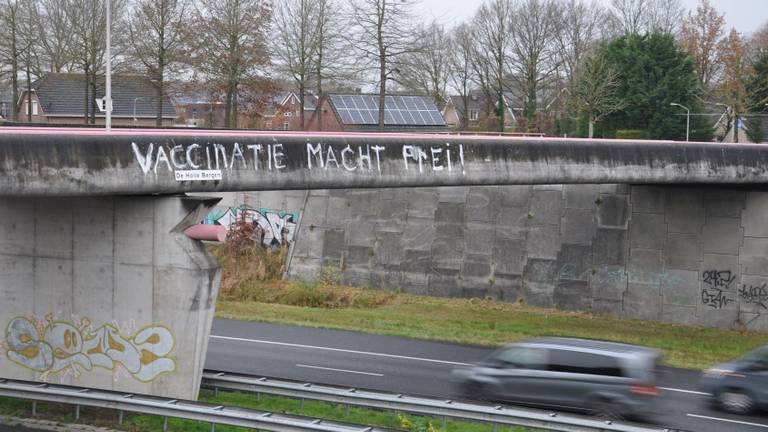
pixel 497 415
pixel 171 408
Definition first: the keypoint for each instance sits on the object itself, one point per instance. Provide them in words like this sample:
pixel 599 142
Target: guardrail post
pixel 120 418
pixel 301 404
pixel 165 424
pixel 77 412
pixel 213 427
pixel 445 422
pixel 34 408
pixel 216 392
pixel 346 410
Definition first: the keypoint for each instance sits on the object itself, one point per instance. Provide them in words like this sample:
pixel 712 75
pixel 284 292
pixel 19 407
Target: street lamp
pixel 134 109
pixel 687 118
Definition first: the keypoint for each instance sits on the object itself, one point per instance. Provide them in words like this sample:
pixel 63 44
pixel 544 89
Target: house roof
pixel 63 95
pixel 400 110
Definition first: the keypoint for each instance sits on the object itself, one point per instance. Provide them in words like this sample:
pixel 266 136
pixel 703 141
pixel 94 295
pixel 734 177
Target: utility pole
pixel 108 102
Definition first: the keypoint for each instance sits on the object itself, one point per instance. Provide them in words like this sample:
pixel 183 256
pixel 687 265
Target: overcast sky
pixel 745 15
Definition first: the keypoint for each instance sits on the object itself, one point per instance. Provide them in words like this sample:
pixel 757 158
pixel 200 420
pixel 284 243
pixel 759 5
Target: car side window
pixel 760 360
pixel 583 363
pixel 522 358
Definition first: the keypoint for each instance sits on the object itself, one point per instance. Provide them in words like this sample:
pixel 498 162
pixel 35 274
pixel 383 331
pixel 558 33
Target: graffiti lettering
pixel 278 227
pixel 755 294
pixel 720 279
pixel 715 298
pixel 53 347
pixel 209 156
pixel 613 275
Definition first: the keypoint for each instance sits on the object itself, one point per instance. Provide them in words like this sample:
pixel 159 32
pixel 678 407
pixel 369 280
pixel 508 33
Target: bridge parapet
pixel 43 162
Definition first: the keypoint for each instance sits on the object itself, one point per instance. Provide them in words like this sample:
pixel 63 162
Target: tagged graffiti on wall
pixel 53 347
pixel 755 294
pixel 278 227
pixel 713 293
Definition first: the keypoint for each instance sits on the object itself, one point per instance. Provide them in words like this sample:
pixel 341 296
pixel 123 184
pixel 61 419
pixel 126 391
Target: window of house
pixel 288 114
pixel 269 125
pixel 286 125
pixel 34 108
pixel 474 115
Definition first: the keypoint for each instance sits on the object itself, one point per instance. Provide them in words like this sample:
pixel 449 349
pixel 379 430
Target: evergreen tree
pixel 653 72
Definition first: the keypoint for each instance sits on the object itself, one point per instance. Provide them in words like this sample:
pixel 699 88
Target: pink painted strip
pixel 207 232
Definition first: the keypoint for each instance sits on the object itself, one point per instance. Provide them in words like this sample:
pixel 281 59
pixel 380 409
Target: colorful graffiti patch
pixel 52 347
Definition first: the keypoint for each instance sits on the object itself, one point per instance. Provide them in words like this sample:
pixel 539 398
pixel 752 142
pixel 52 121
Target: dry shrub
pixel 253 273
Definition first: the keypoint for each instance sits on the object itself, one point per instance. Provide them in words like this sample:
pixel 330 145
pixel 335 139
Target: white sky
pixel 745 15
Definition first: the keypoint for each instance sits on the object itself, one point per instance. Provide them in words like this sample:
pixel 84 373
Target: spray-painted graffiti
pixel 713 294
pixel 53 347
pixel 278 227
pixel 720 279
pixel 755 294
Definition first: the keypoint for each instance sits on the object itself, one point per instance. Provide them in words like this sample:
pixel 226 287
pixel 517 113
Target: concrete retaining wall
pixel 691 255
pixel 106 293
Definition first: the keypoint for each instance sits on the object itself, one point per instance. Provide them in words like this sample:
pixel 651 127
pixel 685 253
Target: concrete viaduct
pixel 99 287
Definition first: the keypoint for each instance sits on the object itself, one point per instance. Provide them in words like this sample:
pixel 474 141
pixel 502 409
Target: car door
pixel 519 373
pixel 757 376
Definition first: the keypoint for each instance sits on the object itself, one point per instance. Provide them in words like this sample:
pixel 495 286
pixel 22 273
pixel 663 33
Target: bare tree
pixel 665 16
pixel 596 90
pixel 296 26
pixel 230 46
pixel 460 70
pixel 330 55
pixel 156 39
pixel 533 48
pixel 383 33
pixel 577 29
pixel 702 37
pixel 426 71
pixel 494 31
pixel 55 37
pixel 630 15
pixel 16 45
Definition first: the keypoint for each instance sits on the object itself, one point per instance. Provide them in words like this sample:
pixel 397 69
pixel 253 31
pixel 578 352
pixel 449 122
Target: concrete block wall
pixel 106 293
pixel 691 255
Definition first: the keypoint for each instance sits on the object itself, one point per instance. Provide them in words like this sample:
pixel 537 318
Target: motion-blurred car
pixel 740 386
pixel 611 380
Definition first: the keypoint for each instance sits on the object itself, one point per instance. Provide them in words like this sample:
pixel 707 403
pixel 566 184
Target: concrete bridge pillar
pixel 106 292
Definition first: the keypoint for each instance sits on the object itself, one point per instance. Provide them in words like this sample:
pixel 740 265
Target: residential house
pixel 477 115
pixel 59 98
pixel 359 113
pixel 286 112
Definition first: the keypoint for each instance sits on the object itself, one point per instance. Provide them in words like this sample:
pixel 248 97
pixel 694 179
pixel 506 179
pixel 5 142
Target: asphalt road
pixel 414 367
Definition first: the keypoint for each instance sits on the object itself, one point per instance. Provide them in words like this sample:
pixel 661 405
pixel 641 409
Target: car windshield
pixel 520 357
pixel 758 356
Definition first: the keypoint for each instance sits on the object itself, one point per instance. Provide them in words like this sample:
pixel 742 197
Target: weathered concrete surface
pixel 38 162
pixel 106 293
pixel 691 255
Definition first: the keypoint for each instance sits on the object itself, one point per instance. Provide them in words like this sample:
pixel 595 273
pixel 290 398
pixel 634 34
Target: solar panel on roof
pixel 338 101
pixel 399 110
pixel 409 103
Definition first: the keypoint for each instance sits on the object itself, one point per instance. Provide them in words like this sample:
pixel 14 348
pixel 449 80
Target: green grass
pixel 490 323
pixel 146 423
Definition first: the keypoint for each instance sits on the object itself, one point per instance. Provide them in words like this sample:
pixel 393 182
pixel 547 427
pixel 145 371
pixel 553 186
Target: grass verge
pixel 64 414
pixel 491 323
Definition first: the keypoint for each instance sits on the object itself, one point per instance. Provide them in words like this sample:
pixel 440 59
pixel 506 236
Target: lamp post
pixel 687 118
pixel 134 109
pixel 108 102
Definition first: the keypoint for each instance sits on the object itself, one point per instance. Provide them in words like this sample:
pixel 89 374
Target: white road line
pixel 339 370
pixel 339 350
pixel 727 420
pixel 685 391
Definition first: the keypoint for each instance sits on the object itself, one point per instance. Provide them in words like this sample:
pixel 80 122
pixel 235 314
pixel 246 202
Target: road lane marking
pixel 685 391
pixel 728 420
pixel 339 370
pixel 340 350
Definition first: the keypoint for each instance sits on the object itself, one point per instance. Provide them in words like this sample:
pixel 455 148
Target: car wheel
pixel 735 401
pixel 607 410
pixel 475 390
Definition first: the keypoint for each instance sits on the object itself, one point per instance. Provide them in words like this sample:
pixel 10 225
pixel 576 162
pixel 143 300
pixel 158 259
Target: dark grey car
pixel 740 386
pixel 609 379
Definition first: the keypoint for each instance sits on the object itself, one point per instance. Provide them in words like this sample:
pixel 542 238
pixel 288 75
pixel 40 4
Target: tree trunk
pixel 93 93
pixel 382 96
pixel 29 93
pixel 234 108
pixel 228 108
pixel 318 109
pixel 159 117
pixel 301 104
pixel 591 125
pixel 86 98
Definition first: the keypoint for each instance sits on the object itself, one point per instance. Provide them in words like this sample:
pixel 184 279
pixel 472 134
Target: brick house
pixel 287 112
